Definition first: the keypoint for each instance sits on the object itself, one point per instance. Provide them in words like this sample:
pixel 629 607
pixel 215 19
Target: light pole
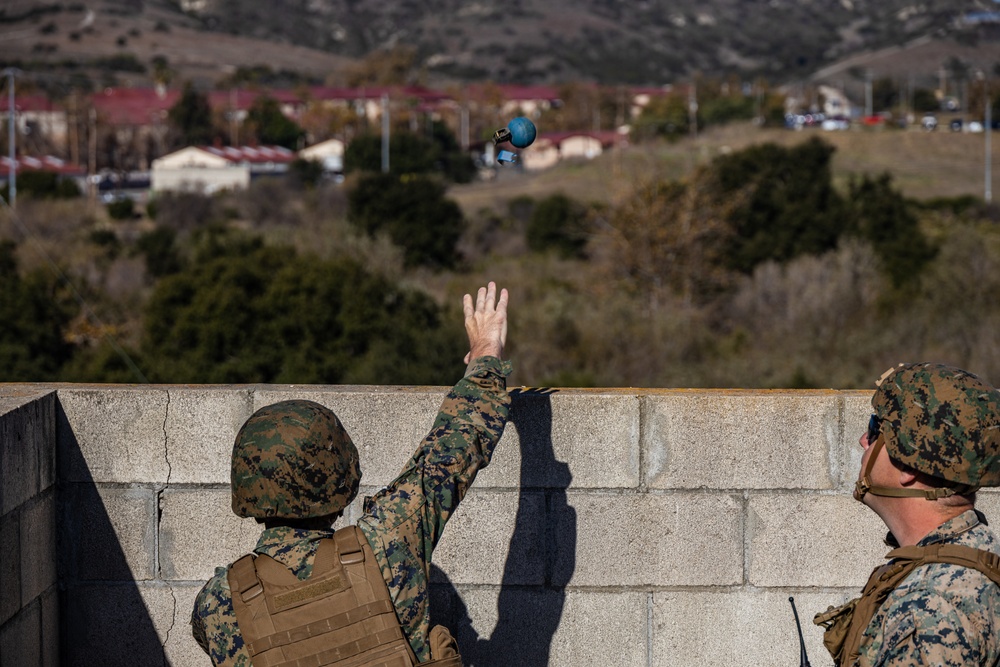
pixel 385 133
pixel 10 73
pixel 988 131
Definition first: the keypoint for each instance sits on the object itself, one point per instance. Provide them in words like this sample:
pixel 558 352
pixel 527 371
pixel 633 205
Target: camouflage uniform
pixel 942 614
pixel 403 522
pixel 942 422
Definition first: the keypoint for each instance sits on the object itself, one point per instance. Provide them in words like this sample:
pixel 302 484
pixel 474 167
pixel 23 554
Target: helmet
pixel 293 460
pixel 941 421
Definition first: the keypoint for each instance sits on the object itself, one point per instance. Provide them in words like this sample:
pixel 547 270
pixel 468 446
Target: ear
pixel 907 478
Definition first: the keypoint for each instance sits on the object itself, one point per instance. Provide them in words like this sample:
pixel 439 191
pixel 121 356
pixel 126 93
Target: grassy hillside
pixel 923 164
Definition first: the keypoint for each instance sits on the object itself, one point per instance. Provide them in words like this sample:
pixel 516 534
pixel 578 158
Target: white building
pixel 549 148
pixel 209 169
pixel 329 153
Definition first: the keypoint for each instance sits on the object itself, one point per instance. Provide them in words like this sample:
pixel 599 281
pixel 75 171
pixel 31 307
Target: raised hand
pixel 486 322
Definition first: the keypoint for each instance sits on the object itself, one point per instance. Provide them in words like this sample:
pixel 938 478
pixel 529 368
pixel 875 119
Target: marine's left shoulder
pixel 215 594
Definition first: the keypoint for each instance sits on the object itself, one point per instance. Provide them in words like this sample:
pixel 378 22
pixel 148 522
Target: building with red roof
pixel 209 169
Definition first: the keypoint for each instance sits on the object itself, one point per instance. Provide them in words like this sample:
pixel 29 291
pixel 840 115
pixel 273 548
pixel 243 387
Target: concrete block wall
pixel 29 602
pixel 624 527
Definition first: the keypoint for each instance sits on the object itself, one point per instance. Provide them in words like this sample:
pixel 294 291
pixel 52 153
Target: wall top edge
pixel 17 391
pixel 14 396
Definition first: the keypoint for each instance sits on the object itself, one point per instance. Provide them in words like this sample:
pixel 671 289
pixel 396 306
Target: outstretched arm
pixel 404 521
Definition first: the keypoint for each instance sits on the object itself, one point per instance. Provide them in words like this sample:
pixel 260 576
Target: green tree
pixel 885 95
pixel 784 203
pixel 269 125
pixel 665 116
pixel 410 153
pixel 44 185
pixel 727 108
pixel 560 224
pixel 33 317
pixel 191 118
pixel 882 216
pixel 925 101
pixel 413 211
pixel 159 248
pixel 246 312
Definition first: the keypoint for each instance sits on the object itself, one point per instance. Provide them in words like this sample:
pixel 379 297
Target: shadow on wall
pixel 528 614
pixel 103 617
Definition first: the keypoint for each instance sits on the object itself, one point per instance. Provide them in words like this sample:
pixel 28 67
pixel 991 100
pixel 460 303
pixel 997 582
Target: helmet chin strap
pixel 864 485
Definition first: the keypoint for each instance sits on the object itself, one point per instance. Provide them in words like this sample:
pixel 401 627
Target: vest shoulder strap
pixel 986 562
pixel 846 625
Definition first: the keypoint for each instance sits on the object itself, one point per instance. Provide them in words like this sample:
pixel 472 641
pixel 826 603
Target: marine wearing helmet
pixel 937 420
pixel 293 460
pixel 937 599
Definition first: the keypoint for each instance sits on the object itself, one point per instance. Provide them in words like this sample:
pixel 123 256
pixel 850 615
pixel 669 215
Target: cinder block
pixel 50 628
pixel 113 434
pixel 38 545
pixel 988 502
pixel 43 431
pixel 554 628
pixel 20 637
pixel 495 537
pixel 741 627
pixel 10 565
pixel 109 533
pixel 199 532
pixel 385 423
pixel 120 624
pixel 19 465
pixel 201 428
pixel 811 540
pixel 741 439
pixel 857 410
pixel 609 540
pixel 568 439
pixel 178 643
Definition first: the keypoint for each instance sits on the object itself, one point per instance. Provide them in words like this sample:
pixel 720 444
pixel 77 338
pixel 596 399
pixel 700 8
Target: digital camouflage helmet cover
pixel 293 460
pixel 941 421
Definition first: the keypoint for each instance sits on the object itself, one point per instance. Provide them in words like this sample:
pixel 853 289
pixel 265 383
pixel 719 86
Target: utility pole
pixel 869 106
pixel 234 137
pixel 92 152
pixel 464 122
pixel 385 133
pixel 10 73
pixel 988 131
pixel 693 108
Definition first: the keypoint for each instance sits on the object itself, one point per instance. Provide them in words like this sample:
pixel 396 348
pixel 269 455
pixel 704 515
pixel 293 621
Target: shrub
pixel 121 209
pixel 246 312
pixel 558 224
pixel 45 185
pixel 415 214
pixel 33 316
pixel 159 248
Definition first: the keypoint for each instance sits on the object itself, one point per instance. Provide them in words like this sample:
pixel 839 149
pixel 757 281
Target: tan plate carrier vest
pixel 845 625
pixel 341 615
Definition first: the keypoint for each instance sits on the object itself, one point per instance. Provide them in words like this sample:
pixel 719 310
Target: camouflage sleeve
pixel 213 623
pixel 404 521
pixel 460 443
pixel 198 630
pixel 930 630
